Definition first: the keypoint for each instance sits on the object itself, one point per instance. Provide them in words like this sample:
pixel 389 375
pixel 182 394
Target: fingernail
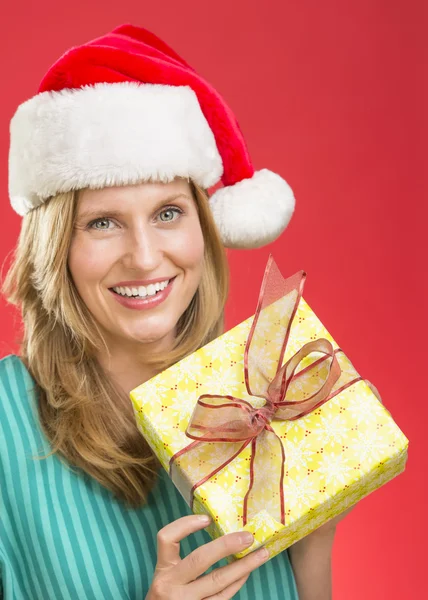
pixel 262 554
pixel 247 538
pixel 204 519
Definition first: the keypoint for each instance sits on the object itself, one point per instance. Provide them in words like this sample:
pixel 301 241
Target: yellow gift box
pixel 307 467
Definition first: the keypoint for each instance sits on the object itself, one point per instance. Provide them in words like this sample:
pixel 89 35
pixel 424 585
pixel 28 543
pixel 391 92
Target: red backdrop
pixel 333 96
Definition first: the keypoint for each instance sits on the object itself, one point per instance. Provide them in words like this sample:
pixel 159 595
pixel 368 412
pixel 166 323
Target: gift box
pixel 269 428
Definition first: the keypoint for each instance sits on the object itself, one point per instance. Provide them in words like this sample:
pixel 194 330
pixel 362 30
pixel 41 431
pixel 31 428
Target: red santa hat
pixel 125 108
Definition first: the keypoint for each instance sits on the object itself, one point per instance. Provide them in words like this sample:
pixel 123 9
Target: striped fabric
pixel 64 536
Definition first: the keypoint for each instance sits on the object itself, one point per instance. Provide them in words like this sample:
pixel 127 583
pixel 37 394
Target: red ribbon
pixel 218 419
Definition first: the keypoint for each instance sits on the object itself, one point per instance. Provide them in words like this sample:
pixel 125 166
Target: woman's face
pixel 142 240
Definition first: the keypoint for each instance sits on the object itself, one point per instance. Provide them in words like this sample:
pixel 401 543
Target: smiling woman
pixel 119 272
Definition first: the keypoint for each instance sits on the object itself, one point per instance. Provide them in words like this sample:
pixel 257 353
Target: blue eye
pixel 100 220
pixel 170 214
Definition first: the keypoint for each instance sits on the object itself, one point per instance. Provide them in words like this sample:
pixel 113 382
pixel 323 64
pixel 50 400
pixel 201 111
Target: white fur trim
pixel 253 212
pixel 108 134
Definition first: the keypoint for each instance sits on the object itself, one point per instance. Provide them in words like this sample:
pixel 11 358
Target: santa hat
pixel 125 108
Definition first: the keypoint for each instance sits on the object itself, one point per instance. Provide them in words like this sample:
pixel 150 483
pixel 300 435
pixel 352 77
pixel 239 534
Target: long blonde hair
pixel 81 411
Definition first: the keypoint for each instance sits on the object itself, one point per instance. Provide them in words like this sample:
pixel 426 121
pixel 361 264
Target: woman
pixel 120 271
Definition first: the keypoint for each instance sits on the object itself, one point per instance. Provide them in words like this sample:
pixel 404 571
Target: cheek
pixel 87 264
pixel 187 249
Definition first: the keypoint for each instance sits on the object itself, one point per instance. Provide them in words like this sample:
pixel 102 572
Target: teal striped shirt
pixel 64 536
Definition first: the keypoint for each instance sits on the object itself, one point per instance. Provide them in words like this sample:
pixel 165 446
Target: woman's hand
pixel 183 579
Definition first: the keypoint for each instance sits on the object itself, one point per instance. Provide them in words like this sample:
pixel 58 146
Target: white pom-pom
pixel 253 212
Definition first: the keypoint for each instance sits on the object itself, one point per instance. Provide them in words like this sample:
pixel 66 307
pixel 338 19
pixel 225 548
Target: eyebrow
pixel 92 213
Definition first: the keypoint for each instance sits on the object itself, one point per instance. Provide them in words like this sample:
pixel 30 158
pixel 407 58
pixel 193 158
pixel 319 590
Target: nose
pixel 143 251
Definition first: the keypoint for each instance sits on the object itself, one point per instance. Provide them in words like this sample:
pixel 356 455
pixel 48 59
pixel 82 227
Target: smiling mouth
pixel 142 291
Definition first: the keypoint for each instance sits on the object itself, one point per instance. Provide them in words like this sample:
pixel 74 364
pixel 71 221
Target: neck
pixel 126 362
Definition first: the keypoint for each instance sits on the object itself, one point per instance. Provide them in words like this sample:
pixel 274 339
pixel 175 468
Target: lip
pixel 144 282
pixel 147 302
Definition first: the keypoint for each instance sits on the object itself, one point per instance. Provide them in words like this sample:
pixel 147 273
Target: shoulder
pixel 13 371
pixel 16 382
pixel 12 360
pixel 18 412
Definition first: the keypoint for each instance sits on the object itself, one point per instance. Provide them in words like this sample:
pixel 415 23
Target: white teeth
pixel 142 291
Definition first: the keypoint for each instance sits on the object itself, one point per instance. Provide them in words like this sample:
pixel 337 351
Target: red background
pixel 332 95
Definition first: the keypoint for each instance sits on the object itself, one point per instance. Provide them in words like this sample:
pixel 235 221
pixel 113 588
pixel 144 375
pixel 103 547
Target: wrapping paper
pixel 318 438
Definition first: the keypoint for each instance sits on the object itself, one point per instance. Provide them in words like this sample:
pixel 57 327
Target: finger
pixel 198 561
pixel 219 579
pixel 170 536
pixel 231 590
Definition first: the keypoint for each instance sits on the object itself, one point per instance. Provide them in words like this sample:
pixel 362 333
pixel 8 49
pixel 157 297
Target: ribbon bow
pixel 234 423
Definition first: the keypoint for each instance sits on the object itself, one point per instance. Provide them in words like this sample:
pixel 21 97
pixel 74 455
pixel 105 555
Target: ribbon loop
pixel 289 384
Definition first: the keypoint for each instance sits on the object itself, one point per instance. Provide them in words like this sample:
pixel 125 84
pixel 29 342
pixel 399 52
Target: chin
pixel 149 337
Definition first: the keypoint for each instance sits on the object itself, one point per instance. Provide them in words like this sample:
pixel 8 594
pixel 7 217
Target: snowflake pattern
pixel 332 428
pixel 221 381
pixel 190 369
pixel 363 411
pixel 154 388
pixel 182 405
pixel 369 446
pixel 300 493
pixel 221 347
pixel 334 469
pixel 335 456
pixel 299 454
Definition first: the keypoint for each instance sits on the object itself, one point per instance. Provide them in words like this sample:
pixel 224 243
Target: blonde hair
pixel 87 420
